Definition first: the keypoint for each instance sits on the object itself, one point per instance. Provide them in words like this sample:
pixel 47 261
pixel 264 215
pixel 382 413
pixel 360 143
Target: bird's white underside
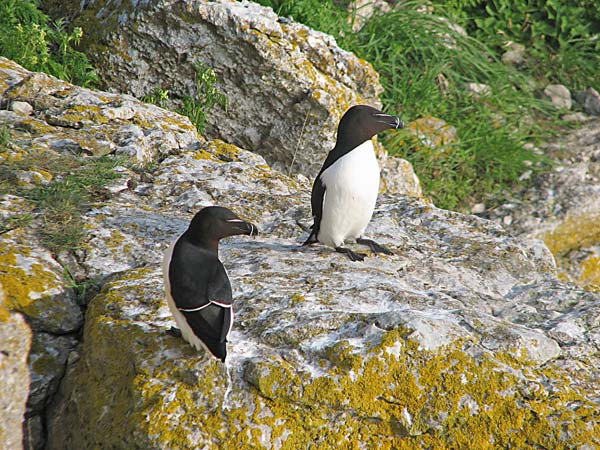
pixel 351 187
pixel 186 330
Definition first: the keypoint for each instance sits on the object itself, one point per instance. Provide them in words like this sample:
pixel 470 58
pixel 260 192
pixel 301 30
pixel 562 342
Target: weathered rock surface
pixel 559 95
pixel 590 100
pixel 563 206
pixel 287 85
pixel 460 338
pixel 15 341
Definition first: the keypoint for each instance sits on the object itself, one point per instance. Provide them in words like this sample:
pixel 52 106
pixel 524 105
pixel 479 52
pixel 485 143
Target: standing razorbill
pixel 196 284
pixel 345 190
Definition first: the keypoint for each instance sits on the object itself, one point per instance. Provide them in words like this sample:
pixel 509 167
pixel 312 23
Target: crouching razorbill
pixel 345 190
pixel 196 284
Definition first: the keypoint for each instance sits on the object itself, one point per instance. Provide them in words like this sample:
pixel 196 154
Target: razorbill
pixel 196 284
pixel 345 190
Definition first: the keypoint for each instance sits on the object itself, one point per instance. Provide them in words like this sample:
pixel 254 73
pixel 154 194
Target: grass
pixel 30 38
pixel 424 65
pixel 77 182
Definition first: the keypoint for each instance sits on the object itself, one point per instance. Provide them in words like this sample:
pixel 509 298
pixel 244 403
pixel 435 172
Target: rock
pixel 398 177
pixel 478 208
pixel 461 326
pixel 287 85
pixel 47 361
pixel 69 118
pixel 515 55
pixel 559 95
pixel 362 10
pixel 576 117
pixel 561 206
pixel 33 283
pixel 33 431
pixel 478 89
pixel 590 100
pixel 15 341
pixel 433 134
pixel 23 108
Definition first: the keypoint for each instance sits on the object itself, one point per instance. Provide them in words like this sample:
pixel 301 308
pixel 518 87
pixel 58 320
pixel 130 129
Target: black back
pixel 197 276
pixel 359 124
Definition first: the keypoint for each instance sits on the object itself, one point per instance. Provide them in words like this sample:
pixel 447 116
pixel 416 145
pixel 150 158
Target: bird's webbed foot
pixel 374 246
pixel 176 332
pixel 350 254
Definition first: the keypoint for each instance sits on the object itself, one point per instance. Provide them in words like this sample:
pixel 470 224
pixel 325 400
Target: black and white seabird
pixel 196 284
pixel 345 190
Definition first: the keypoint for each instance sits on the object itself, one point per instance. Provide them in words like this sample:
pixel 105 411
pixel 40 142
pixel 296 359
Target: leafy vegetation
pixel 562 37
pixel 30 38
pixel 424 63
pixel 195 107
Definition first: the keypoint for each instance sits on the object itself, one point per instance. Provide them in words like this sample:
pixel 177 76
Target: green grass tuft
pixel 77 183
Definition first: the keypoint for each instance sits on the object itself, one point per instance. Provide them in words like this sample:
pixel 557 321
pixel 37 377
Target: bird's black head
pixel 213 223
pixel 360 123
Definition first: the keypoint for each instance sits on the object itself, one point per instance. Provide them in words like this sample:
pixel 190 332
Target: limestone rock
pixel 313 328
pixel 590 100
pixel 478 89
pixel 33 283
pixel 398 177
pixel 433 133
pixel 68 118
pixel 287 85
pixel 463 325
pixel 515 55
pixel 559 95
pixel 562 205
pixel 362 10
pixel 15 341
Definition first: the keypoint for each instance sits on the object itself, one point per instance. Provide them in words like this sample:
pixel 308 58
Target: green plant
pixel 206 97
pixel 562 37
pixel 196 106
pixel 28 37
pixel 160 97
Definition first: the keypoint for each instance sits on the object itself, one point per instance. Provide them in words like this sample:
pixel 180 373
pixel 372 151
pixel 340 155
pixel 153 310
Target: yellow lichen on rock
pixel 577 233
pixel 573 233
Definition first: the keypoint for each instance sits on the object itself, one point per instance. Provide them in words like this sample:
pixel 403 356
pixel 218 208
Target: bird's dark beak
pixel 243 227
pixel 392 121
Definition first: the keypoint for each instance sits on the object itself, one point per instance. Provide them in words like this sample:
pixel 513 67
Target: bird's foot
pixel 350 254
pixel 374 246
pixel 174 332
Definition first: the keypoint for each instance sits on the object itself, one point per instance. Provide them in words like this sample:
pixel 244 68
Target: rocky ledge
pixel 463 338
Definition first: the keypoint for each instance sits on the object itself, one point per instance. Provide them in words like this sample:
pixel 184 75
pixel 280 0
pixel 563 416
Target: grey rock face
pixel 590 99
pixel 287 85
pixel 562 207
pixel 324 351
pixel 15 341
pixel 559 95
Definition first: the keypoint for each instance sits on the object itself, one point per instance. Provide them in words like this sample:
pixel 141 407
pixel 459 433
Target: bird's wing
pixel 205 301
pixel 316 203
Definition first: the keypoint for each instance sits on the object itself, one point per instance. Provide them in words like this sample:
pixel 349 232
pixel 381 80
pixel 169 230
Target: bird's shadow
pixel 274 246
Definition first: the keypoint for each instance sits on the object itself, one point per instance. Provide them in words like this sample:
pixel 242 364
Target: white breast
pixel 351 187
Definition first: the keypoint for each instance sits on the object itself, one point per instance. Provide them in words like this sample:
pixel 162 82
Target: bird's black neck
pixel 210 245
